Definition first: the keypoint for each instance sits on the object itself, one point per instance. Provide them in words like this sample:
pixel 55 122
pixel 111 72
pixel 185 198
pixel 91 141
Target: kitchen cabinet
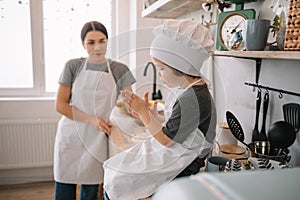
pixel 171 8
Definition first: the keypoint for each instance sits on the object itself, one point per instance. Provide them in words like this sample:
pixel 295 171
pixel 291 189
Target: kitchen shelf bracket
pixel 257 67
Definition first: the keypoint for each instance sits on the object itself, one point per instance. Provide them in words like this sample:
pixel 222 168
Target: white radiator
pixel 27 143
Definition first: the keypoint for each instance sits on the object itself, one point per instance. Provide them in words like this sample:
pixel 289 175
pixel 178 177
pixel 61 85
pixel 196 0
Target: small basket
pixel 292 34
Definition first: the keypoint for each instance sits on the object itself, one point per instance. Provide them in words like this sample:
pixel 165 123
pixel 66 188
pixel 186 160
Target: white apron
pixel 139 171
pixel 80 149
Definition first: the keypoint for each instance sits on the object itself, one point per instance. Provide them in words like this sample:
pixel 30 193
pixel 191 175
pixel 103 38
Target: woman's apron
pixel 80 149
pixel 139 171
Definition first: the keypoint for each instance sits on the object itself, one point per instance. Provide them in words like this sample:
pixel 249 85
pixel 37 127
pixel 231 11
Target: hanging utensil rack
pixel 280 91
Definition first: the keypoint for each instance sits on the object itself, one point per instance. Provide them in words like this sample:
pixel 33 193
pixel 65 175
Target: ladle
pixel 281 134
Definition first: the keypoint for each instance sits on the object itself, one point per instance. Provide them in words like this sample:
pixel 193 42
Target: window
pixel 38 37
pixel 16 49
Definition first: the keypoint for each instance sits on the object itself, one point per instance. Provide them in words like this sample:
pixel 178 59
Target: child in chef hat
pixel 180 146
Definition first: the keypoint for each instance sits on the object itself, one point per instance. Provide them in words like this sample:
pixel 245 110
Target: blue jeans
pixel 65 191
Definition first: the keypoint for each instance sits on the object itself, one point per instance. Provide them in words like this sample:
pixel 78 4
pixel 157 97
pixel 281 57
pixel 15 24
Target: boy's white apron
pixel 80 149
pixel 139 171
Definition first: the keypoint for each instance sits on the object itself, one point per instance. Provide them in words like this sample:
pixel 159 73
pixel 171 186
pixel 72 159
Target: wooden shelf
pixel 171 8
pixel 291 55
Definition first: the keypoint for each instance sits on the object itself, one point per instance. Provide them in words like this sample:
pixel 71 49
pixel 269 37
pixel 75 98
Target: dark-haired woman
pixel 88 90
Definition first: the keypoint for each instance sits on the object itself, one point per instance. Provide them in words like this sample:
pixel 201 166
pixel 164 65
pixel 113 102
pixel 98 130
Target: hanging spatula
pixel 236 128
pixel 291 114
pixel 263 134
pixel 255 132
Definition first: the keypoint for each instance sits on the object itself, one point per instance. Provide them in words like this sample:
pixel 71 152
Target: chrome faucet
pixel 155 95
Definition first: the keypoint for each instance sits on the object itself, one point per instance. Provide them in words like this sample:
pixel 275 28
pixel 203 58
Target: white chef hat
pixel 182 44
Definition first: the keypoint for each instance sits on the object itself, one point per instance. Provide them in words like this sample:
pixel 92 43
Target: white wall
pixel 30 108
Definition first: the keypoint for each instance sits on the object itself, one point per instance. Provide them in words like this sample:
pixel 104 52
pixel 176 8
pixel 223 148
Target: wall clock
pixel 230 24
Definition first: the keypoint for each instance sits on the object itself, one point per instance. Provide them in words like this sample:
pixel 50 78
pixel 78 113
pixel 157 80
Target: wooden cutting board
pixel 232 149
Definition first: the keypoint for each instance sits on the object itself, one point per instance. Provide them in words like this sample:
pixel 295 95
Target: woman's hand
pixel 101 125
pixel 105 126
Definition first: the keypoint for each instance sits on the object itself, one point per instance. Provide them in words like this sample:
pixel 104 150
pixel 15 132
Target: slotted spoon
pixel 291 114
pixel 236 128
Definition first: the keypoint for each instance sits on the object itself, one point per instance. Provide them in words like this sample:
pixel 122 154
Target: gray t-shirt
pixel 193 109
pixel 120 71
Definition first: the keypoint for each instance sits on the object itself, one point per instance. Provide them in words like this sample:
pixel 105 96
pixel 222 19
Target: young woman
pixel 180 146
pixel 88 90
